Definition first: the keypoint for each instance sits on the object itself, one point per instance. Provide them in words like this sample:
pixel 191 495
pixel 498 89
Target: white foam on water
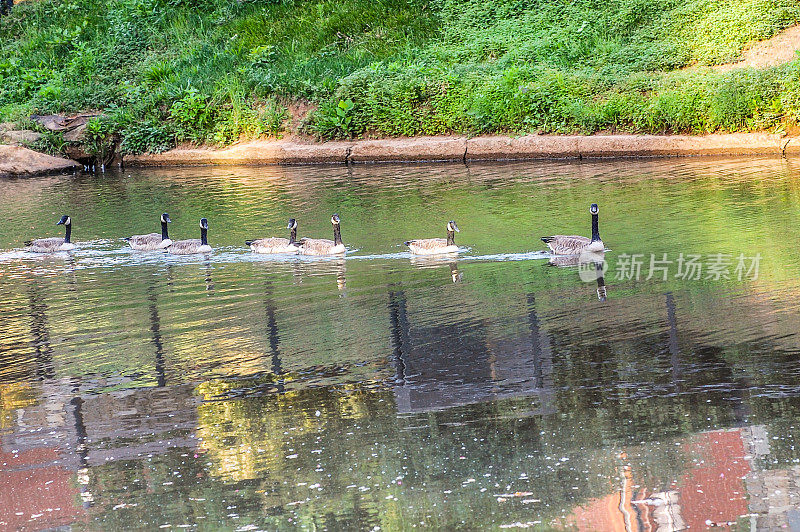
pixel 506 257
pixel 106 253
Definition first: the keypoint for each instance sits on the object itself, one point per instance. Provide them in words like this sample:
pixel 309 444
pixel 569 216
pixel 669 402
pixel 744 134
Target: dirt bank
pixel 458 148
pixel 780 49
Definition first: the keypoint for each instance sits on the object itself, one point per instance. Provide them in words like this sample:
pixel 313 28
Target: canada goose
pixel 189 247
pixel 433 246
pixel 277 245
pixel 321 246
pixel 51 245
pixel 152 241
pixel 573 245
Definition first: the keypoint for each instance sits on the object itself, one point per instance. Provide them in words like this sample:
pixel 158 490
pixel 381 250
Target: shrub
pixel 148 137
pixel 740 95
pixel 192 115
pixel 51 142
pixel 334 120
pixel 245 122
pixel 100 138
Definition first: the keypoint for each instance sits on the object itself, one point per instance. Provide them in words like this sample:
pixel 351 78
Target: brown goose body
pixel 49 245
pixel 189 247
pixel 572 244
pixel 193 245
pixel 277 245
pixel 149 242
pixel 152 241
pixel 322 246
pixel 272 245
pixel 435 246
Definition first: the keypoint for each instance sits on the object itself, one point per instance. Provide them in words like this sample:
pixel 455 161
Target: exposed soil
pixel 780 49
pixel 298 110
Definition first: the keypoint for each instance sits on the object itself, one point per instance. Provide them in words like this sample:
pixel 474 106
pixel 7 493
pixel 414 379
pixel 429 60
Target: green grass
pixel 214 71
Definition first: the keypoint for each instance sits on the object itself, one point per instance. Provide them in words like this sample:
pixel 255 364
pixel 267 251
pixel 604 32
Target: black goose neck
pixel 595 229
pixel 203 236
pixel 164 233
pixel 68 233
pixel 293 235
pixel 451 237
pixel 337 234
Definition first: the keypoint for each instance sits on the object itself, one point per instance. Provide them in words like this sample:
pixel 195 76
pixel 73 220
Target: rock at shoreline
pixel 75 135
pixel 18 161
pixel 20 137
pixel 63 123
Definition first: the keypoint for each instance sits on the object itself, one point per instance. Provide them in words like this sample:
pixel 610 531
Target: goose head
pixel 292 224
pixel 451 226
pixel 165 218
pixel 335 219
pixel 65 220
pixel 203 223
pixel 593 208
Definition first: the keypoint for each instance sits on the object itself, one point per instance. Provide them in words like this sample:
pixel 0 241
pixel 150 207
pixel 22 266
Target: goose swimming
pixel 434 246
pixel 275 244
pixel 53 244
pixel 192 246
pixel 321 246
pixel 573 244
pixel 152 241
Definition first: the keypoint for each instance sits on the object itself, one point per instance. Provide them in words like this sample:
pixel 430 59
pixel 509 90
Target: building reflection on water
pixel 61 447
pixel 724 486
pixel 441 365
pixel 54 444
pixel 84 449
pixel 502 405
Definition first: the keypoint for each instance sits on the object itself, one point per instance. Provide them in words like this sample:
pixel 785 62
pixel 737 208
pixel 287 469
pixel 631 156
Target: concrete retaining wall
pixel 461 148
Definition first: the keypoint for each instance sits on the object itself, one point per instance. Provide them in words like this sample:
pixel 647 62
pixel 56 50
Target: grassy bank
pixel 214 71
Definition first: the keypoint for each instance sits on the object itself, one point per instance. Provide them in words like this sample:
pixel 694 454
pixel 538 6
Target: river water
pixel 491 390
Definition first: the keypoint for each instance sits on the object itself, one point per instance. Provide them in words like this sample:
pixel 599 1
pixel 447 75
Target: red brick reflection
pixel 37 492
pixel 712 493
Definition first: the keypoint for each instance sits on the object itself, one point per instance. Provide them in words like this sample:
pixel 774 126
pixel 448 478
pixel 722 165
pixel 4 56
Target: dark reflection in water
pixel 446 363
pixel 542 356
pixel 237 391
pixel 602 291
pixel 590 267
pixel 274 338
pixel 43 352
pixel 155 328
pixel 209 281
pixel 82 451
pixel 399 329
pixel 455 274
pixel 674 349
